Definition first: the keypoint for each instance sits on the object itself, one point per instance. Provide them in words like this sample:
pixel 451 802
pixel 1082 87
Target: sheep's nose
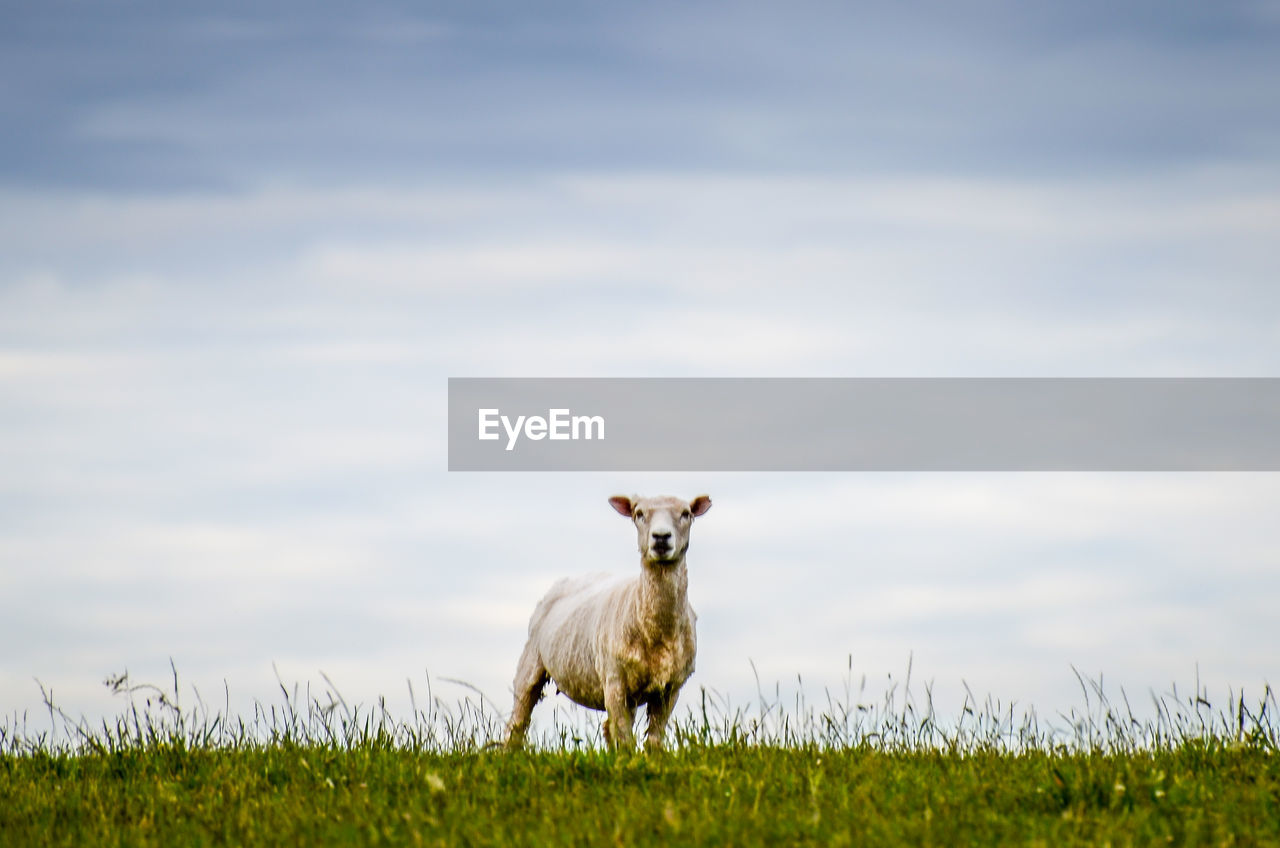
pixel 662 538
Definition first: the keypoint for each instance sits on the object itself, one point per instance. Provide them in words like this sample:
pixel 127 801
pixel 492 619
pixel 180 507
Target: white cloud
pixel 230 408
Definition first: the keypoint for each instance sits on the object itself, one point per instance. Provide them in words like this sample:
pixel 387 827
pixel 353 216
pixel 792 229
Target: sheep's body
pixel 613 643
pixel 583 621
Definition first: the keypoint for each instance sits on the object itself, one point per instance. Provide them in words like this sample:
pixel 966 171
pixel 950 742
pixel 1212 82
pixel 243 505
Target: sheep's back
pixel 567 626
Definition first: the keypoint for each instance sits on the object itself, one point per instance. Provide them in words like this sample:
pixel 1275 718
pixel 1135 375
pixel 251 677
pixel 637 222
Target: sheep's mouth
pixel 665 555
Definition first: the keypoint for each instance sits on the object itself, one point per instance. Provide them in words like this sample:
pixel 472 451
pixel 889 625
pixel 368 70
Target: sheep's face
pixel 662 524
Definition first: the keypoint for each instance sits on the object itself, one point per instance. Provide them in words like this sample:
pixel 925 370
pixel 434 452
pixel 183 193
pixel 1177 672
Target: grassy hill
pixel 882 774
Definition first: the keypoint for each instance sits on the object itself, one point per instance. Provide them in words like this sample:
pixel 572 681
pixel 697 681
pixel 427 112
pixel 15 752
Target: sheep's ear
pixel 622 504
pixel 700 504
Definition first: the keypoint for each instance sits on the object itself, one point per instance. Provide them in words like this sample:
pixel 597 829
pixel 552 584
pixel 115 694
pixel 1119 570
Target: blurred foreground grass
pixel 169 795
pixel 316 772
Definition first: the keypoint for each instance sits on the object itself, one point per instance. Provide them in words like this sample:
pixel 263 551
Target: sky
pixel 242 251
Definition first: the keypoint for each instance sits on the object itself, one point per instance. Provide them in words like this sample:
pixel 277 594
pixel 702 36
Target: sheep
pixel 613 643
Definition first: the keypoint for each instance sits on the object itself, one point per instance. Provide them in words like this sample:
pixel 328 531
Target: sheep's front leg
pixel 618 732
pixel 660 707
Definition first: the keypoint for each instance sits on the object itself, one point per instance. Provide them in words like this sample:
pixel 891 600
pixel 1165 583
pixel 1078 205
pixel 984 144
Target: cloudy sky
pixel 241 252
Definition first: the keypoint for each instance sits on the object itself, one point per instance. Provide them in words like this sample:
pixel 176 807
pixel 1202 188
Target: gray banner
pixel 820 424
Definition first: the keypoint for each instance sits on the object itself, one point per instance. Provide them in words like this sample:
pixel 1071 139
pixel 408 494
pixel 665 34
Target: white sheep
pixel 613 643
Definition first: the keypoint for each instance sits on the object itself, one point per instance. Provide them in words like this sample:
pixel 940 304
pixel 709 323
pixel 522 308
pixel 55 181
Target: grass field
pixel 883 773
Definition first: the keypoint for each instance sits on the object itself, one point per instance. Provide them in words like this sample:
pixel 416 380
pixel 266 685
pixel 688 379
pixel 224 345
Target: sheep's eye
pixel 639 515
pixel 684 516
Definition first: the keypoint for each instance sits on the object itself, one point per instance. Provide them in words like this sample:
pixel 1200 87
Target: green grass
pixel 888 772
pixel 702 795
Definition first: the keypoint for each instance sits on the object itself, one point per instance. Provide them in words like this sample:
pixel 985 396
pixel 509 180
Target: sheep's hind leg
pixel 531 676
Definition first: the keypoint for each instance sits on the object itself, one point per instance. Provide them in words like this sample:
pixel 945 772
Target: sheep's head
pixel 662 524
